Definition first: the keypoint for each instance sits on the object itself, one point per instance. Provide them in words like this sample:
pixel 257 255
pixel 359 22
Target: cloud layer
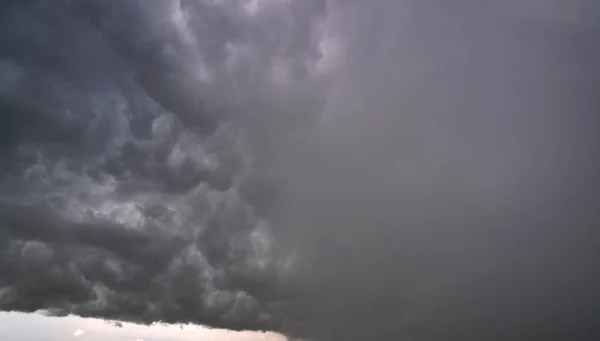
pixel 334 170
pixel 133 146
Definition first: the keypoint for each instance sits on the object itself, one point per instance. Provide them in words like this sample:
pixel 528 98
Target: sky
pixel 330 170
pixel 26 327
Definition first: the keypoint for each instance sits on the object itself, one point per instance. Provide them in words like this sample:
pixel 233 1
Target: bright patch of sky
pixel 35 327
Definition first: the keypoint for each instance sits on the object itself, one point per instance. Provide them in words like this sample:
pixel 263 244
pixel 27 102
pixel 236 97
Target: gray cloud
pixel 130 156
pixel 190 161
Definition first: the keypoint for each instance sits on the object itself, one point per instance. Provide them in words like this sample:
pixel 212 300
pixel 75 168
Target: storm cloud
pixel 330 170
pixel 133 146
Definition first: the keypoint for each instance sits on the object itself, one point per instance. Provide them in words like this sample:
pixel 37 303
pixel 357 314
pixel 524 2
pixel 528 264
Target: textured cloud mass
pixel 332 170
pixel 133 136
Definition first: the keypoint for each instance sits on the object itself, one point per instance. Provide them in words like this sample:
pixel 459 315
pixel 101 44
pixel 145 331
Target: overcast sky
pixel 332 170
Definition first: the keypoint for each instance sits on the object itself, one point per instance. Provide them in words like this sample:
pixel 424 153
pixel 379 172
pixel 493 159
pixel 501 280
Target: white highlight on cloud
pixel 79 332
pixel 255 7
pixel 181 20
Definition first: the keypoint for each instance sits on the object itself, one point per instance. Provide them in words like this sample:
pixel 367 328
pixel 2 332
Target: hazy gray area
pixel 332 170
pixel 451 192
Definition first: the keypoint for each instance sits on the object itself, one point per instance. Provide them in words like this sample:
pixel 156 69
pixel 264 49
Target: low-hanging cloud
pixel 331 170
pixel 133 143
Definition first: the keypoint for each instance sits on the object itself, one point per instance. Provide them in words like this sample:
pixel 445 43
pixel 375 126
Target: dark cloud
pixel 332 170
pixel 131 158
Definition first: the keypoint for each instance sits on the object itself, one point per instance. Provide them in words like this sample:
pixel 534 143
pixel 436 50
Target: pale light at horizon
pixel 59 328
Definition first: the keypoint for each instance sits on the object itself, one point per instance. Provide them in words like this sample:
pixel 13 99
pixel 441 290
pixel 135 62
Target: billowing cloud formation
pixel 133 136
pixel 191 161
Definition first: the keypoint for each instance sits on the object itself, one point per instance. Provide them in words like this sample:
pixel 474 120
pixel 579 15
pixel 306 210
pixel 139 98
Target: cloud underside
pixel 335 170
pixel 133 139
